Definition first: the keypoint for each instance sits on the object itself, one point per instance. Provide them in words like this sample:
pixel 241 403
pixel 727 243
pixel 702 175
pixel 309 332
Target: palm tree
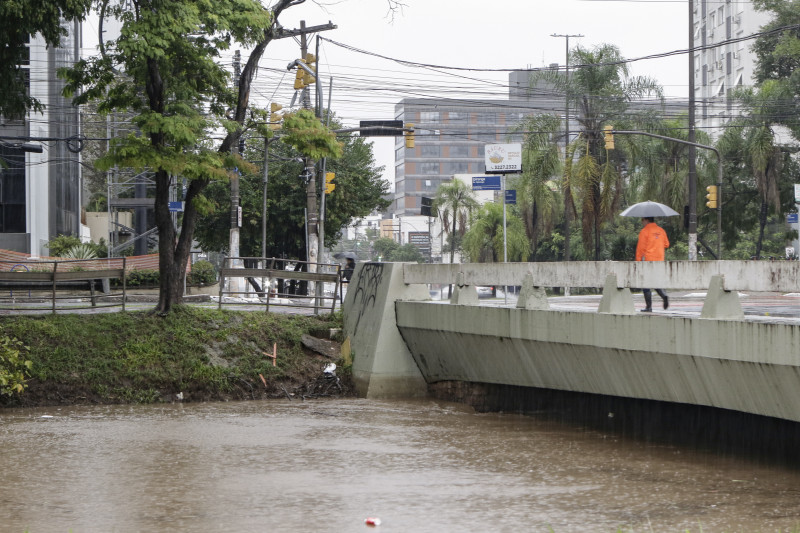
pixel 541 163
pixel 755 141
pixel 454 203
pixel 484 240
pixel 600 91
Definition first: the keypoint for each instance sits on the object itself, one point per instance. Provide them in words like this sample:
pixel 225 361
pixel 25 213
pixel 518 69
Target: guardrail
pixel 273 274
pixel 758 276
pixel 49 281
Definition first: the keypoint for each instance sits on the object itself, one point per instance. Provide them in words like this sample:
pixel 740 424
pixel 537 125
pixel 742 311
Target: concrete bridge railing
pixel 402 341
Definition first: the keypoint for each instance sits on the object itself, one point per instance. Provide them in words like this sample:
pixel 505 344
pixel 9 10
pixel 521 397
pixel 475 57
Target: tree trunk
pixel 762 222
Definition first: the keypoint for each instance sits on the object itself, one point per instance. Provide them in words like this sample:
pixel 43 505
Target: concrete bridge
pixel 403 342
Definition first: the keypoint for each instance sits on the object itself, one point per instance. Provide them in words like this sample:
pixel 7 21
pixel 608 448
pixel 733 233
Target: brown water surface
pixel 325 466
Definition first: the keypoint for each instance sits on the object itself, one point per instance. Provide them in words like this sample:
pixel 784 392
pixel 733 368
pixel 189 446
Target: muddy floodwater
pixel 326 466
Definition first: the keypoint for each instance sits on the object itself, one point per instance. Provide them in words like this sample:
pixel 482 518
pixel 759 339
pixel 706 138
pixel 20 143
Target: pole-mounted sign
pixel 503 158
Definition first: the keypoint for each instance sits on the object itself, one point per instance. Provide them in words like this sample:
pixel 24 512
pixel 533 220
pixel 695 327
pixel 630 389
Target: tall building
pixel 40 192
pixel 719 70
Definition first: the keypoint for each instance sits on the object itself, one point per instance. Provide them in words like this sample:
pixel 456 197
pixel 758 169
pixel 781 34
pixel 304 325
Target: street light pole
pixel 692 229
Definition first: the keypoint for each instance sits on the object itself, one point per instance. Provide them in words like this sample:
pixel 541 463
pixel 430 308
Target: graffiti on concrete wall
pixel 366 291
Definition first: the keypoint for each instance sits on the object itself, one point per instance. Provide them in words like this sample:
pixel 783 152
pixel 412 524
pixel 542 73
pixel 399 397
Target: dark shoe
pixel 666 302
pixel 646 310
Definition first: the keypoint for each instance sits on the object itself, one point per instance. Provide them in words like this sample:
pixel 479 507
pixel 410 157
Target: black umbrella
pixel 346 255
pixel 649 209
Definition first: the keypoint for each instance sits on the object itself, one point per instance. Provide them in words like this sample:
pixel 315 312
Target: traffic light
pixel 711 197
pixel 274 117
pixel 409 135
pixel 609 137
pixel 299 79
pixel 426 208
pixel 311 62
pixel 329 184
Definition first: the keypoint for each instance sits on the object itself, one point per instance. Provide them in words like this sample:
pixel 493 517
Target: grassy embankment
pixel 196 354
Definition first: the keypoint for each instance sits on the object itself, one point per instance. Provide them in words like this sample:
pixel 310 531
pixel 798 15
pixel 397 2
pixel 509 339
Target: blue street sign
pixel 791 218
pixel 511 196
pixel 486 183
pixel 174 207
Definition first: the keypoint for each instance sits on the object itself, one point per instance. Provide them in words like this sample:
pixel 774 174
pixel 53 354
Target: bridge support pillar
pixel 464 294
pixel 382 365
pixel 720 303
pixel 615 300
pixel 532 297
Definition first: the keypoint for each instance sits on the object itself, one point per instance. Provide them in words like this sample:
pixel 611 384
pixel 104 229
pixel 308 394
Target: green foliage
pixel 306 134
pixel 13 366
pixel 454 203
pixel 143 357
pixel 142 278
pixel 359 191
pixel 389 251
pixel 71 247
pixel 203 273
pixel 484 242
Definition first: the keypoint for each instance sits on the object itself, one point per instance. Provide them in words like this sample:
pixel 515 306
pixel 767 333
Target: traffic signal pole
pixel 693 207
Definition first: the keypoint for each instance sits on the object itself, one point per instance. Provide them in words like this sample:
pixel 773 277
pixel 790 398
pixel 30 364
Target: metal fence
pixel 65 285
pixel 279 282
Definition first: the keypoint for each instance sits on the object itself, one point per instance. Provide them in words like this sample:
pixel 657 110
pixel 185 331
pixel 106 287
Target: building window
pixel 456 117
pixel 429 116
pixel 429 168
pixel 459 150
pixel 430 150
pixel 487 118
pixel 456 167
pixel 12 190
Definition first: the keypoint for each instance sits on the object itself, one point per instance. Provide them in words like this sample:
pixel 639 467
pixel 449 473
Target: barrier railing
pixel 273 285
pixel 61 284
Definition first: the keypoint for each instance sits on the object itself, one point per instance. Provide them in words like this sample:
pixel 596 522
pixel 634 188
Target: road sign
pixel 511 196
pixel 503 158
pixel 380 128
pixel 791 218
pixel 797 192
pixel 486 183
pixel 175 207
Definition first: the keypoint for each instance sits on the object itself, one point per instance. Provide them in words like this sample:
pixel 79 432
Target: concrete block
pixel 720 303
pixel 615 300
pixel 532 297
pixel 464 294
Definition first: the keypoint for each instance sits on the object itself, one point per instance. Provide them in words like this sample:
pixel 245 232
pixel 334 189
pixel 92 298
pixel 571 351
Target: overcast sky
pixel 486 34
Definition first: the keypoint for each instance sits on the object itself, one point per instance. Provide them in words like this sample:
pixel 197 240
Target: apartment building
pixel 722 62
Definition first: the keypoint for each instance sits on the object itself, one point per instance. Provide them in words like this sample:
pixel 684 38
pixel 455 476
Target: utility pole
pixel 567 213
pixel 692 229
pixel 233 242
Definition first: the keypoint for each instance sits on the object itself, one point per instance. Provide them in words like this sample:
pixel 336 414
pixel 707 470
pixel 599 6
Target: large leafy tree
pixel 165 70
pixel 19 21
pixel 359 191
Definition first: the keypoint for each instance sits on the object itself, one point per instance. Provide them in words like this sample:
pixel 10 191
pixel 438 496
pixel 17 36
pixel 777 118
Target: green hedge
pixel 203 273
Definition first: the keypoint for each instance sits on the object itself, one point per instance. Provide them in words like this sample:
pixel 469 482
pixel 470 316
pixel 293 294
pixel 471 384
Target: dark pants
pixel 648 296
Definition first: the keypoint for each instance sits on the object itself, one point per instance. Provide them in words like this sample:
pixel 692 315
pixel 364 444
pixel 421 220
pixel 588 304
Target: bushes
pixel 13 366
pixel 203 273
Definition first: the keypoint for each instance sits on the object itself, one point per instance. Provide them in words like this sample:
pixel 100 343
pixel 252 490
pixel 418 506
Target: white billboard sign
pixel 503 158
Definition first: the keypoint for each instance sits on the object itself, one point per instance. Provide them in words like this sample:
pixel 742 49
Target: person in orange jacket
pixel 652 243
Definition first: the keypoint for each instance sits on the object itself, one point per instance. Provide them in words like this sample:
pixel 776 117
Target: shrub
pixel 13 366
pixel 138 278
pixel 203 273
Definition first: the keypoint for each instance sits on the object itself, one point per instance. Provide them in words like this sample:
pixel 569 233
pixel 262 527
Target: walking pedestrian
pixel 652 243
